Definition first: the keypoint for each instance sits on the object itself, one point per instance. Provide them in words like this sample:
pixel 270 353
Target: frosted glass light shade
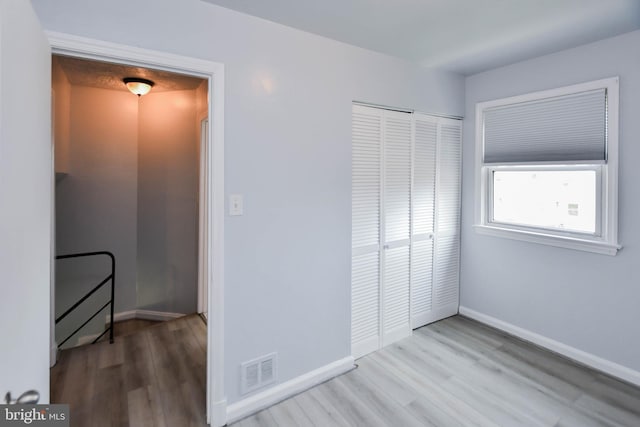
pixel 138 86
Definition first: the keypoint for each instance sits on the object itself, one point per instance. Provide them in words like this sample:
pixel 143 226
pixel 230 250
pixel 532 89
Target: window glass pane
pixel 563 200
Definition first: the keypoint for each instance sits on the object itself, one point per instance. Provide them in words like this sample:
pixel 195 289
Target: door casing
pixel 80 47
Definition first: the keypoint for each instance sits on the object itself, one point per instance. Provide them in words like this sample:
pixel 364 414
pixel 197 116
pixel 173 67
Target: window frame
pixel 605 239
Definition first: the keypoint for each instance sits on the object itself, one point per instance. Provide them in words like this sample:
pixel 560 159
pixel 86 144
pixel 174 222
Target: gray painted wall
pixel 96 204
pixel 61 116
pixel 25 201
pixel 288 150
pixel 131 189
pixel 584 300
pixel 167 227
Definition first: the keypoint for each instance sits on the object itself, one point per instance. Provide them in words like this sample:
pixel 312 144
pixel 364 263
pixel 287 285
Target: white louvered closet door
pixel 396 226
pixel 423 213
pixel 447 228
pixel 366 178
pixel 405 224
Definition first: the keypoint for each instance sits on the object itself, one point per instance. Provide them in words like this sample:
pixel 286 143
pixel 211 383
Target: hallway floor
pixel 155 377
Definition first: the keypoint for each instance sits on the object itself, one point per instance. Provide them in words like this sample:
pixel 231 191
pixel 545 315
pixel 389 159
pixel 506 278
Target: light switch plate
pixel 235 205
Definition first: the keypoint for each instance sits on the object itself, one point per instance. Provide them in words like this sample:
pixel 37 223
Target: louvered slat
pixel 449 156
pixel 395 313
pixel 365 308
pixel 424 173
pixel 421 281
pixel 446 265
pixel 397 176
pixel 366 144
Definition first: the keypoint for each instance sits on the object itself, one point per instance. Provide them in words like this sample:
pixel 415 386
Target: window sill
pixel 551 240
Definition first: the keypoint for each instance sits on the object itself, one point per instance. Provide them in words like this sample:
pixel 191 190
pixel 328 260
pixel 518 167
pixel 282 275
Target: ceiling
pixel 105 75
pixel 465 36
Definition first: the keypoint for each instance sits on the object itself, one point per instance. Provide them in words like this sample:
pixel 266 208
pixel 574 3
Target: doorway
pixel 212 241
pixel 126 182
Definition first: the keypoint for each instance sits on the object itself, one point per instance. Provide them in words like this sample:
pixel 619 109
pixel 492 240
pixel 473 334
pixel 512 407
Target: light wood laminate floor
pixel 457 372
pixel 452 373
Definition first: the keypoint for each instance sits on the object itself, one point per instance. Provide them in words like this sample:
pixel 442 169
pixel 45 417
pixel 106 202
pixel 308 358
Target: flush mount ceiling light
pixel 138 86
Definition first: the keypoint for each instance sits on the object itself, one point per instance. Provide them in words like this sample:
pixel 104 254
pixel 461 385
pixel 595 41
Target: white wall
pixel 287 150
pixel 25 203
pixel 584 300
pixel 167 227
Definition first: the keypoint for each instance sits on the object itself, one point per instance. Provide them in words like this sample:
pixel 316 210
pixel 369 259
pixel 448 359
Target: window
pixel 547 167
pixel 546 199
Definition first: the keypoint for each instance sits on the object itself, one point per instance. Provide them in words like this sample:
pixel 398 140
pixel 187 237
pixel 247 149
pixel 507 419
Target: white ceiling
pixel 465 36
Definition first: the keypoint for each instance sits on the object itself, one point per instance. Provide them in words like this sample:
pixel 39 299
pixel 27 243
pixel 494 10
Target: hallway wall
pixel 130 188
pixel 168 202
pixel 61 94
pixel 96 203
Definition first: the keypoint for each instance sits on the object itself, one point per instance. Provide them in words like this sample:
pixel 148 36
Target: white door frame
pixel 203 179
pixel 69 45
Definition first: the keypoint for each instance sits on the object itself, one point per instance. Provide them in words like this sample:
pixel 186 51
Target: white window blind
pixel 563 128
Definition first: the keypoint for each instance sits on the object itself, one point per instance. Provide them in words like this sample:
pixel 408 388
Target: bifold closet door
pixel 366 183
pixel 435 242
pixel 396 226
pixel 405 224
pixel 424 193
pixel 381 228
pixel 446 280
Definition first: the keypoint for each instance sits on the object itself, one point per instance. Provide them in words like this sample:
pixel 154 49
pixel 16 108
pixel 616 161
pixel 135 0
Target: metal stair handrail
pixel 111 277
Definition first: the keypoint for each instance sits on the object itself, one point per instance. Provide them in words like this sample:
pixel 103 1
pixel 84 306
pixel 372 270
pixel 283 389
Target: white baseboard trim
pixel 157 315
pixel 622 372
pixel 280 392
pixel 218 415
pixel 128 315
pixel 143 314
pixel 122 316
pixel 86 339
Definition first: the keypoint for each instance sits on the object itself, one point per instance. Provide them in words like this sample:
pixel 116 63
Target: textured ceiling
pixel 105 75
pixel 465 36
